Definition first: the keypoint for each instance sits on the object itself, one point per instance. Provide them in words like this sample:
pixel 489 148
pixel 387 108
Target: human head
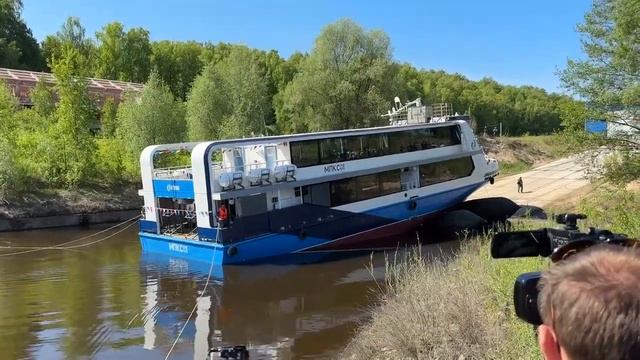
pixel 590 306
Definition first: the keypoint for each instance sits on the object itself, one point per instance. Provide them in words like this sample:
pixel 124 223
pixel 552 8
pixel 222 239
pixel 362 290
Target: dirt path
pixel 547 184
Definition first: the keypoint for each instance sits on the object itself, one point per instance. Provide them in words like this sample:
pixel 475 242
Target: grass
pixel 461 307
pixel 509 168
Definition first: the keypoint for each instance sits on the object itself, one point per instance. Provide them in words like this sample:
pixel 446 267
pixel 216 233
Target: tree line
pixel 201 91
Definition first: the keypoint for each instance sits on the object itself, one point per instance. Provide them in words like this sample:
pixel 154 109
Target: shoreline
pixel 56 208
pixel 66 220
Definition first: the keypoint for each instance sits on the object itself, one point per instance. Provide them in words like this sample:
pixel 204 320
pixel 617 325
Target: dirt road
pixel 543 185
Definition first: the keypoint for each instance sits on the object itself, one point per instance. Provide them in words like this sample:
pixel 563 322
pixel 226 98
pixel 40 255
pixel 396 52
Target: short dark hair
pixel 592 302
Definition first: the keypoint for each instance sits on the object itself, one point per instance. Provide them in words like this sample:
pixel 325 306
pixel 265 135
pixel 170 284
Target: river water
pixel 110 300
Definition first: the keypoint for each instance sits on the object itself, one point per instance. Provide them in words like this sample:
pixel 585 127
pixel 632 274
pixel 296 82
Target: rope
pixel 206 285
pixel 62 245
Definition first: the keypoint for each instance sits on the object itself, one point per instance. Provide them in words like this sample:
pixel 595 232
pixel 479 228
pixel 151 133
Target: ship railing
pixel 178 221
pixel 173 172
pixel 246 171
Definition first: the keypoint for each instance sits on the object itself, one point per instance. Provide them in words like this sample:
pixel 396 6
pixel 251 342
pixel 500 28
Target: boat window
pixel 331 151
pixel 445 171
pixel 364 187
pixel 368 186
pixel 352 147
pixel 238 159
pixel 338 149
pixel 270 156
pixel 389 182
pixel 304 153
pixel 343 191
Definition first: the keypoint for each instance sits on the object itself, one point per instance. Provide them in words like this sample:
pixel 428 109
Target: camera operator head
pixel 590 306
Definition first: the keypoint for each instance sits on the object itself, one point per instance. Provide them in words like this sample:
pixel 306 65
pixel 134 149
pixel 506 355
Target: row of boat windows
pixel 332 150
pixel 359 188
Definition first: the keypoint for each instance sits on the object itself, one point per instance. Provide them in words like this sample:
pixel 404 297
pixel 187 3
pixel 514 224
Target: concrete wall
pixel 43 222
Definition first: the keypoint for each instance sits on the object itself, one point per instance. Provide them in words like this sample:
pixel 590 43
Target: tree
pixel 136 56
pixel 177 64
pixel 43 99
pixel 153 117
pixel 18 48
pixel 230 98
pixel 71 34
pixel 608 80
pixel 123 56
pixel 72 162
pixel 343 82
pixel 109 59
pixel 9 174
pixel 108 118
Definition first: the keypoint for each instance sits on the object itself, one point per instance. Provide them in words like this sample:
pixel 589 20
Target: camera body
pixel 557 244
pixel 238 352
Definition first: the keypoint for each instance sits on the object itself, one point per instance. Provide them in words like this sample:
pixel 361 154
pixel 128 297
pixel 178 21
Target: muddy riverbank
pixel 40 209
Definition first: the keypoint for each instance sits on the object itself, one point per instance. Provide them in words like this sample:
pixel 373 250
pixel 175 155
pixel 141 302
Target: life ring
pixel 232 250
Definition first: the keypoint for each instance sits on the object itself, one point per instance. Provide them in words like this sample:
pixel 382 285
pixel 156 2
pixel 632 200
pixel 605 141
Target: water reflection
pixel 110 301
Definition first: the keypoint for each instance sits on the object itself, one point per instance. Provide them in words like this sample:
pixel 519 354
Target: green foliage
pixel 153 117
pixel 343 82
pixel 74 115
pixel 607 78
pixel 9 178
pixel 614 208
pixel 110 160
pixel 230 98
pixel 71 35
pixel 43 99
pixel 177 64
pixel 109 51
pixel 622 167
pixel 208 106
pixel 123 56
pixel 136 62
pixel 8 106
pixel 18 48
pixel 109 118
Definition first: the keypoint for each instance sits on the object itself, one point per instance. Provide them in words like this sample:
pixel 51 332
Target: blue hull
pixel 395 219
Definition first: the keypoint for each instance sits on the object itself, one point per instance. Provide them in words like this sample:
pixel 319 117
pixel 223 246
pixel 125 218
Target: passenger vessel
pixel 266 198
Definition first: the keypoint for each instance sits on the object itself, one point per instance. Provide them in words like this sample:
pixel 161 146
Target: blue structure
pixel 596 127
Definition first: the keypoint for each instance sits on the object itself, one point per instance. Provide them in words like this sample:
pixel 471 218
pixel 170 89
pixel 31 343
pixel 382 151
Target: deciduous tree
pixel 608 80
pixel 153 117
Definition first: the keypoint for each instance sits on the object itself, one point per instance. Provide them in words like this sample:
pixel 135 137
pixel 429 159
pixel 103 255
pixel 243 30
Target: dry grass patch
pixel 435 309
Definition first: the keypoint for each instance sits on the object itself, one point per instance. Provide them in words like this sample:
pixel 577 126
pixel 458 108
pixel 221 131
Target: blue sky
pixel 518 42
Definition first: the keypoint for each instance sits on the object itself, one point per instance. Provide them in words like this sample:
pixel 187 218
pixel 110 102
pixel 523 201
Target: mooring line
pixel 62 245
pixel 206 285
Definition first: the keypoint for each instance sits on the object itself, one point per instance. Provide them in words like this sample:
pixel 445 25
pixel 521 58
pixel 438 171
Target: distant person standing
pixel 520 185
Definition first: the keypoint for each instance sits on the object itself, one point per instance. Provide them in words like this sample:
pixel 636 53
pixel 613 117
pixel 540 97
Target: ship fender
pixel 232 250
pixel 457 221
pixel 413 204
pixel 494 209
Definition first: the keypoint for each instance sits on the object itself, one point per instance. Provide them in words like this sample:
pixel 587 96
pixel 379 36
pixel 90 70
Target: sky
pixel 516 42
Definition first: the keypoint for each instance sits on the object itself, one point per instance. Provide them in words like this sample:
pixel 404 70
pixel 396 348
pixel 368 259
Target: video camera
pixel 557 244
pixel 238 352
